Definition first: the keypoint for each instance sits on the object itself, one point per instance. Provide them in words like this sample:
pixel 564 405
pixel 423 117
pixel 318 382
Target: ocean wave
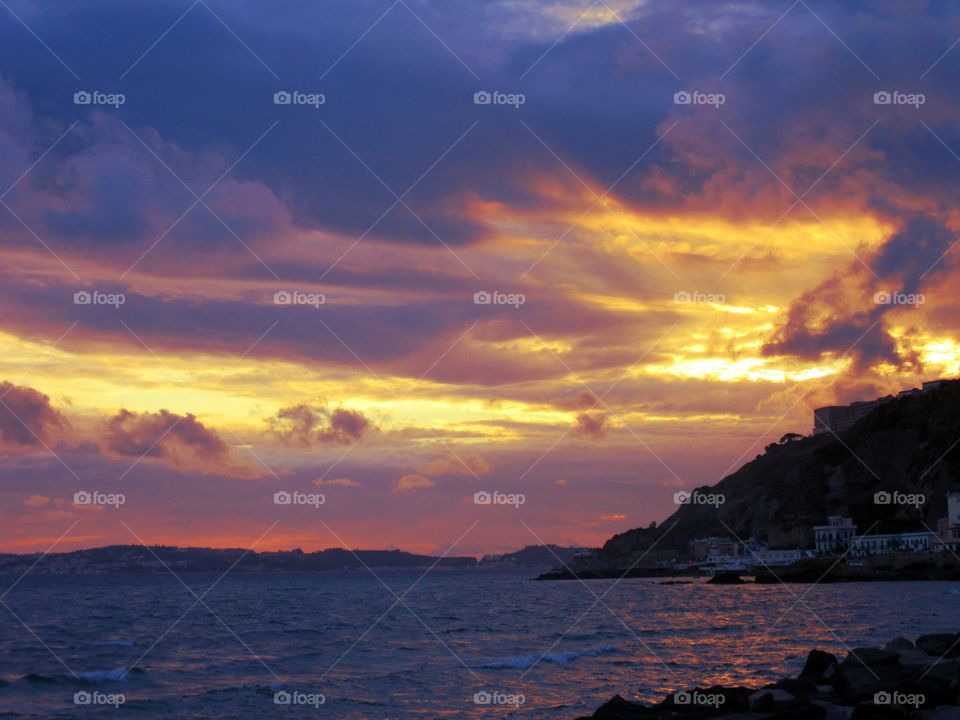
pixel 94 677
pixel 117 643
pixel 524 662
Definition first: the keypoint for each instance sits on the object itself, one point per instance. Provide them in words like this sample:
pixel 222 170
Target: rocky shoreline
pixel 902 680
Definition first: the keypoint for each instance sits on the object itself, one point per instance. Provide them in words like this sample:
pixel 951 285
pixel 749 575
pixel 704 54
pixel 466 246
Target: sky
pixel 384 255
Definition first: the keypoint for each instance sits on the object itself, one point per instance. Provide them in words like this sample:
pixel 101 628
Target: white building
pixel 774 558
pixel 949 527
pixel 894 543
pixel 840 535
pixel 835 536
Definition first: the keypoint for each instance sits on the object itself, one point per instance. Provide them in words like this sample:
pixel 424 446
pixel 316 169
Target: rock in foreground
pixel 902 680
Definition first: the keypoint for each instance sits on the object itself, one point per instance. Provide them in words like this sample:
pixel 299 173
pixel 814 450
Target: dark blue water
pixel 344 639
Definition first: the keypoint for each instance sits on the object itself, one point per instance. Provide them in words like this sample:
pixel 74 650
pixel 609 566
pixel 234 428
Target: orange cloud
pixel 460 463
pixel 410 483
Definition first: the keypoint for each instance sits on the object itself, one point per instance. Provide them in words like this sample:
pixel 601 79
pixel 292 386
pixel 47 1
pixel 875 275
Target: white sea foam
pixel 523 662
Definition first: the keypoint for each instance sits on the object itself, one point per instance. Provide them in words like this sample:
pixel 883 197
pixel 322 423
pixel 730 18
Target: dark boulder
pixel 898 644
pixel 817 665
pixel 619 709
pixel 871 657
pixel 940 644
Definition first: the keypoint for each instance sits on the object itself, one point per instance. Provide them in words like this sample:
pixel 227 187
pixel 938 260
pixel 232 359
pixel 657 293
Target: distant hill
pixel 910 444
pixel 533 556
pixel 139 559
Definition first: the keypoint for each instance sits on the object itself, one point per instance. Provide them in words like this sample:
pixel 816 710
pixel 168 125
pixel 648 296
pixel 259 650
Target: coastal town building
pixel 864 545
pixel 703 548
pixel 838 418
pixel 839 536
pixel 773 558
pixel 949 527
pixel 835 536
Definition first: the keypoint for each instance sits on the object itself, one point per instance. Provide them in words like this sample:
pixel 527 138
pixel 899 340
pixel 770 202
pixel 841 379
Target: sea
pixel 401 644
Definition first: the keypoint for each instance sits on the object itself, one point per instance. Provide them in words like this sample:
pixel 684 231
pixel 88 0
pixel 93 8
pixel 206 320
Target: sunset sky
pixel 694 278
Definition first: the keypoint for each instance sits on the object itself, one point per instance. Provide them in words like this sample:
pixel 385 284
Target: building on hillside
pixel 949 527
pixel 838 418
pixel 703 548
pixel 773 558
pixel 835 536
pixel 839 536
pixel 891 543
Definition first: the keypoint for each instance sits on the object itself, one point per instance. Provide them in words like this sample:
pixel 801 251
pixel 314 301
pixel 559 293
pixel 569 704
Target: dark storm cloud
pixel 828 319
pixel 200 99
pixel 305 425
pixel 591 425
pixel 27 418
pixel 160 435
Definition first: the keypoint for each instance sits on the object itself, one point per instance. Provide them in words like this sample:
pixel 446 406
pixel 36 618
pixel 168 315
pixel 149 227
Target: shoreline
pixel 904 679
pixel 815 570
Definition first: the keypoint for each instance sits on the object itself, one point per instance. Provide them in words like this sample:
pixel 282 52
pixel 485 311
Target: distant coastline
pixel 132 559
